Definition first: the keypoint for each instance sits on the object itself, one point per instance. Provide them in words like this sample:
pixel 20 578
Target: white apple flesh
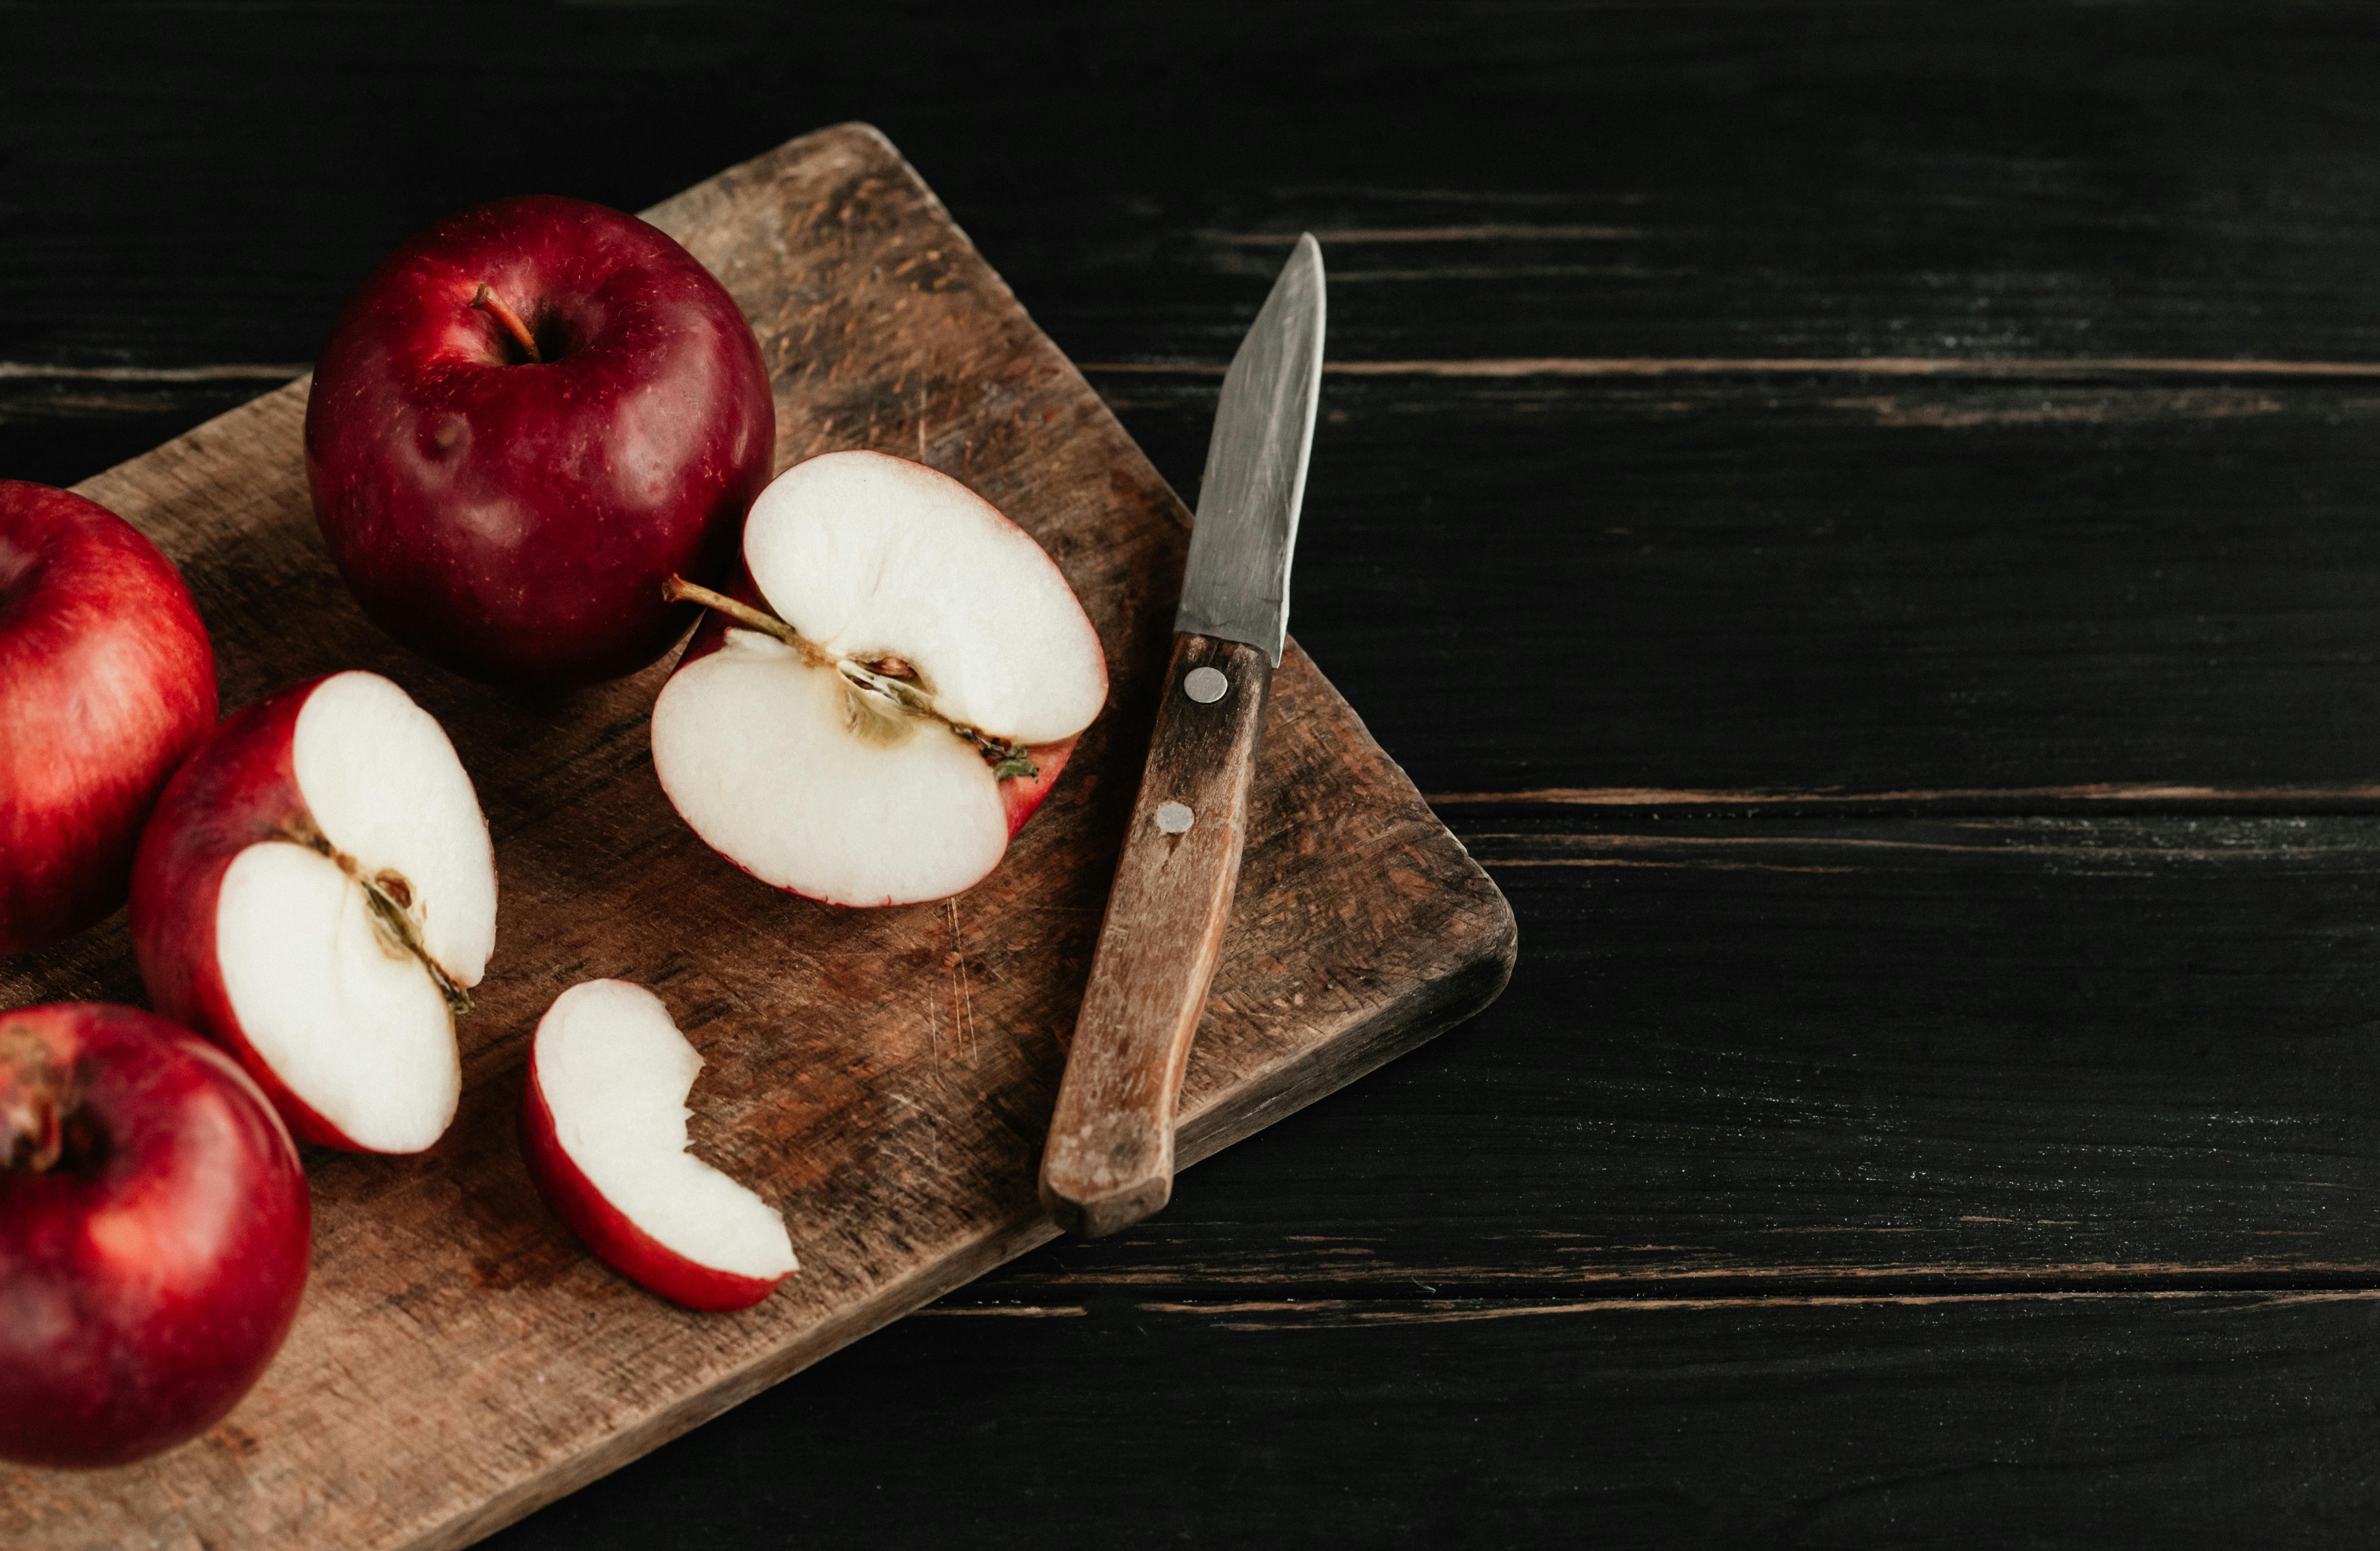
pixel 603 1132
pixel 317 894
pixel 934 673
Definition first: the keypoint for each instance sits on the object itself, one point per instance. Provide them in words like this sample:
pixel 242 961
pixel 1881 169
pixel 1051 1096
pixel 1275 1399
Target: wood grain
pixel 1110 1159
pixel 2006 1419
pixel 883 1076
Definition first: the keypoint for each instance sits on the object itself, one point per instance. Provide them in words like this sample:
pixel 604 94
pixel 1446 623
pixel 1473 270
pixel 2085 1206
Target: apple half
pixel 603 1133
pixel 889 696
pixel 317 894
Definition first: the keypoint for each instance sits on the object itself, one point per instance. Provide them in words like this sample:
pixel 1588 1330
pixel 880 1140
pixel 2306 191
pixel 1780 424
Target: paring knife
pixel 1110 1160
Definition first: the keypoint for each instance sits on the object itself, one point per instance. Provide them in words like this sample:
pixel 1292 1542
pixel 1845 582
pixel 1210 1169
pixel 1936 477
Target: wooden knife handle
pixel 1109 1161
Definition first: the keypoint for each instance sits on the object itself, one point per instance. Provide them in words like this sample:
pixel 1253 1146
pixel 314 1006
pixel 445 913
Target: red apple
pixel 107 684
pixel 317 894
pixel 890 696
pixel 603 1132
pixel 528 416
pixel 154 1235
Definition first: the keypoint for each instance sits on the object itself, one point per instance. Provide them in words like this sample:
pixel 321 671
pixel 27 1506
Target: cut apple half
pixel 889 696
pixel 318 894
pixel 603 1132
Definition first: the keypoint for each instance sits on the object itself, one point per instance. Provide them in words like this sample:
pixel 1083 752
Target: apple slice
pixel 892 697
pixel 603 1132
pixel 317 894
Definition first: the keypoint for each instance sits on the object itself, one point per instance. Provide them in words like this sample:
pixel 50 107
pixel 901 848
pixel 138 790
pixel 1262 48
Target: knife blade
pixel 1109 1161
pixel 1235 583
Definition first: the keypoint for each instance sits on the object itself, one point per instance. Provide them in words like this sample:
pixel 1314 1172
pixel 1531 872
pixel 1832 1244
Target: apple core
pixel 888 693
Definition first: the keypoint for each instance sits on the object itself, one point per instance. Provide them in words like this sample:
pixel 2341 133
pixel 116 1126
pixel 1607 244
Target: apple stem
pixel 1007 759
pixel 488 302
pixel 678 590
pixel 35 1098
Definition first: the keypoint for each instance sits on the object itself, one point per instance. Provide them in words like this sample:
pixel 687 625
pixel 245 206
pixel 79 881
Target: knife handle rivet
pixel 1205 685
pixel 1175 818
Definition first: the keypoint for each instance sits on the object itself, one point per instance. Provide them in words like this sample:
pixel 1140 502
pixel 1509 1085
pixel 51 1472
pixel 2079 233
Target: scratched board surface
pixel 884 1077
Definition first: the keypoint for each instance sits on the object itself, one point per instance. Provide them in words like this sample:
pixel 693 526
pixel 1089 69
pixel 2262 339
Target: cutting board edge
pixel 1431 1008
pixel 892 1303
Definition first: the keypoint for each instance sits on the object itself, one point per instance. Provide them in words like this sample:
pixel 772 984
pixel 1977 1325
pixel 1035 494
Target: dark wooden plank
pixel 59 426
pixel 1888 586
pixel 1741 179
pixel 1996 1420
pixel 1743 1057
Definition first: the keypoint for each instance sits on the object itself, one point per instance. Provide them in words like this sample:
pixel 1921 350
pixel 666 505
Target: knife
pixel 1110 1159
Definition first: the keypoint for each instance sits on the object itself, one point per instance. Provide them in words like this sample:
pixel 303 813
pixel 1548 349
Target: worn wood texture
pixel 1807 1055
pixel 884 1076
pixel 1110 1159
pixel 2008 1419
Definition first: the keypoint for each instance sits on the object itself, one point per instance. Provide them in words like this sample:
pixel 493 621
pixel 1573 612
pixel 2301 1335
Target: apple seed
pixel 389 896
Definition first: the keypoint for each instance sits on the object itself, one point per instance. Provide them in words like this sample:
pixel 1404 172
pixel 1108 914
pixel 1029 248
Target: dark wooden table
pixel 1868 519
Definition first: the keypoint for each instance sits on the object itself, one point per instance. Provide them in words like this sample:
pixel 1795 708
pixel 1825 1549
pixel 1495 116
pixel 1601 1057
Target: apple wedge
pixel 317 894
pixel 603 1132
pixel 891 693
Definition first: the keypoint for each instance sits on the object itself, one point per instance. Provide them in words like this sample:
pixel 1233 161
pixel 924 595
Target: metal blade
pixel 1236 584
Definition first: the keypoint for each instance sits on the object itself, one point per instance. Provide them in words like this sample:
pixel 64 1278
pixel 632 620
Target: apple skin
pixel 239 790
pixel 514 520
pixel 606 1231
pixel 1021 797
pixel 142 1291
pixel 107 682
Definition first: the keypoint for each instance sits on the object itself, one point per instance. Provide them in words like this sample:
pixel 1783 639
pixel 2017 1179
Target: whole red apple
pixel 526 419
pixel 154 1235
pixel 106 682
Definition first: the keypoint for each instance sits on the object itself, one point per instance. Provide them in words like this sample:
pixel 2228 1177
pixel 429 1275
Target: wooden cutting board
pixel 883 1076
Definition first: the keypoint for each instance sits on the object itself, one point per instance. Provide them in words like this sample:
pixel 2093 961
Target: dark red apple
pixel 526 419
pixel 317 894
pixel 154 1235
pixel 603 1133
pixel 888 693
pixel 107 684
